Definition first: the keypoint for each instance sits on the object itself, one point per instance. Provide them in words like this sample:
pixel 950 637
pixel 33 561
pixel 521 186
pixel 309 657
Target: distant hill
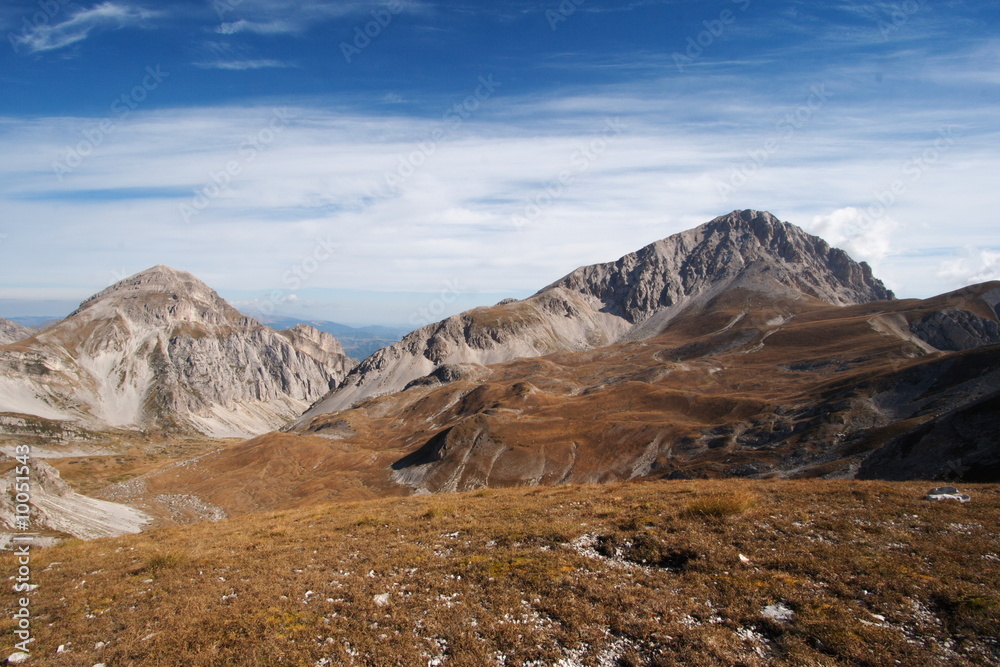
pixel 358 342
pixel 36 321
pixel 11 331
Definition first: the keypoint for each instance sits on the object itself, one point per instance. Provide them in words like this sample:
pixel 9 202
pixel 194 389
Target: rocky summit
pixel 161 351
pixel 633 298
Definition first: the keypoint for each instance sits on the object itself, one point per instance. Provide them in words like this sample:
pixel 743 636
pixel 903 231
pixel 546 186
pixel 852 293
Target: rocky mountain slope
pixel 632 298
pixel 358 342
pixel 749 380
pixel 161 351
pixel 57 508
pixel 11 332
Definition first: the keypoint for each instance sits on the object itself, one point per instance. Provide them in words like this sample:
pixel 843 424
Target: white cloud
pixel 78 27
pixel 292 16
pixel 244 64
pixel 863 236
pixel 269 28
pixel 975 266
pixel 322 178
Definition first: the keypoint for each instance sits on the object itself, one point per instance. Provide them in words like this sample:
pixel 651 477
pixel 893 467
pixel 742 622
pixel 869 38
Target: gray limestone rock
pixel 161 350
pixel 632 298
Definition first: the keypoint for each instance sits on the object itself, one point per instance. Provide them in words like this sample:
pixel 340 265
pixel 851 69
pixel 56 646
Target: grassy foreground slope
pixel 646 573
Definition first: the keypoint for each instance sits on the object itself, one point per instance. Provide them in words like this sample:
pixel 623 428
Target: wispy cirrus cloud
pixel 275 17
pixel 325 173
pixel 257 27
pixel 80 25
pixel 897 167
pixel 238 65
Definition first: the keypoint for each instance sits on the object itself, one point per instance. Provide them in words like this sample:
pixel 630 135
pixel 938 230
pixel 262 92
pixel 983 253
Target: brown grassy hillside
pixel 747 385
pixel 644 573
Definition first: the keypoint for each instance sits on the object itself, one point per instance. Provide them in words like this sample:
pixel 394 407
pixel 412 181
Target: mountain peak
pixel 762 224
pixel 162 293
pixel 159 278
pixel 749 216
pixel 748 247
pixel 162 349
pixel 632 298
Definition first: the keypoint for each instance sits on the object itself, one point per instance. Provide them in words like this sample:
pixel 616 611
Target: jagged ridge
pixel 632 298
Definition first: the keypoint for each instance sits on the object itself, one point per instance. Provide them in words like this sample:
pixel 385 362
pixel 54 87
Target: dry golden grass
pixel 721 505
pixel 700 400
pixel 90 474
pixel 623 574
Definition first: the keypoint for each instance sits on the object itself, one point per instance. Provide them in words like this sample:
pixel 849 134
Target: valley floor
pixel 646 573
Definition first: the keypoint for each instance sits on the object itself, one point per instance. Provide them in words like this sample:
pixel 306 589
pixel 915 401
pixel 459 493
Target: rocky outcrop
pixel 960 445
pixel 954 329
pixel 750 245
pixel 320 346
pixel 632 298
pixel 55 507
pixel 11 332
pixel 162 351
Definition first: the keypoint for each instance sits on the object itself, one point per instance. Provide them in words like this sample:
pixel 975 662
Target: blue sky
pixel 392 162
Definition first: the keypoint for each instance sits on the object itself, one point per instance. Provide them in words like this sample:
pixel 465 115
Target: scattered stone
pixel 778 612
pixel 744 559
pixel 17 658
pixel 382 600
pixel 947 493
